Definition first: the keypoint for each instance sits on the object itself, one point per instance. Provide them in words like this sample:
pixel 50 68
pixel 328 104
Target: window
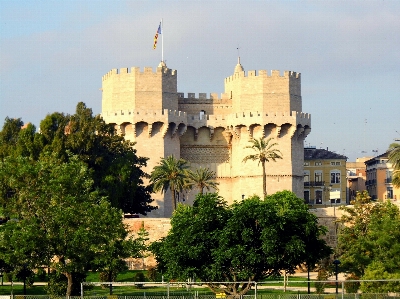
pixel 332 163
pixel 306 163
pixel 306 176
pixel 306 196
pixel 335 177
pixel 334 196
pixel 202 113
pixel 318 197
pixel 389 192
pixel 318 163
pixel 318 176
pixel 337 163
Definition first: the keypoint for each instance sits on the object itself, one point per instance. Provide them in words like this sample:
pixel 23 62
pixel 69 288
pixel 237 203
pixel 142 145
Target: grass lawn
pixel 129 276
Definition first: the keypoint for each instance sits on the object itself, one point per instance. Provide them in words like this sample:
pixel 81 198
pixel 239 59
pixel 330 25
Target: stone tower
pixel 212 131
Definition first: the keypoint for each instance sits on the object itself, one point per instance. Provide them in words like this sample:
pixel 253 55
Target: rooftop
pixel 319 153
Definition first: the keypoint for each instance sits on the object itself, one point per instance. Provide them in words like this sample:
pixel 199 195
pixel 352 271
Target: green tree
pixel 352 246
pixel 116 169
pixel 265 152
pixel 169 174
pixel 57 218
pixel 368 243
pixel 9 135
pixel 202 178
pixel 141 246
pixel 394 158
pixel 248 241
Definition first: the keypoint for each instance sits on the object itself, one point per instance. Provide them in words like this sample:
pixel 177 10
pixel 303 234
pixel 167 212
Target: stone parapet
pixel 249 119
pixel 135 71
pixel 148 116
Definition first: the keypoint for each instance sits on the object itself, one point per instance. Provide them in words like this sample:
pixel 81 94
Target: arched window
pixel 202 113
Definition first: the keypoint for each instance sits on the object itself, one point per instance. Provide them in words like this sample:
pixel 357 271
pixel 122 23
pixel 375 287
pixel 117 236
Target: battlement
pixel 135 71
pixel 264 74
pixel 203 97
pixel 249 114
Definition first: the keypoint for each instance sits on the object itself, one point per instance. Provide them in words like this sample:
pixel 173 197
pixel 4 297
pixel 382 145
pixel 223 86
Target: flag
pixel 156 36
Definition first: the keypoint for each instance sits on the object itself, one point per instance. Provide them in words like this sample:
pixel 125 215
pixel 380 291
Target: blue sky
pixel 54 53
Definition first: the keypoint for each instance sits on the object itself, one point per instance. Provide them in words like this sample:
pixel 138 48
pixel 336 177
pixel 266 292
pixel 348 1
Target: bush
pixel 139 277
pixel 104 276
pixel 152 274
pixel 320 286
pixel 352 287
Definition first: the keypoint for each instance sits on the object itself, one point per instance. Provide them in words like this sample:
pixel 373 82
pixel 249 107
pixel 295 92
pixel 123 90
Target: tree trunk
pixel 173 198
pixel 69 284
pixel 264 179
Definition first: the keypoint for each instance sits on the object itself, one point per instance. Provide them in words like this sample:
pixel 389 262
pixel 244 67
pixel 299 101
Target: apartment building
pixel 379 178
pixel 324 177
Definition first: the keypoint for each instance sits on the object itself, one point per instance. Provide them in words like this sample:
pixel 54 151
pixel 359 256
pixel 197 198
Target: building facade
pixel 324 178
pixel 212 131
pixel 356 177
pixel 379 178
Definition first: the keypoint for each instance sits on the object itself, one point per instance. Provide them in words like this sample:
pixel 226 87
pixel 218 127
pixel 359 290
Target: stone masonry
pixel 212 131
pixel 159 227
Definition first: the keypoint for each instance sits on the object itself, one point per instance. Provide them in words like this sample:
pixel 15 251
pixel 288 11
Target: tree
pixel 141 245
pixel 117 170
pixel 394 158
pixel 265 153
pixel 248 241
pixel 202 178
pixel 352 235
pixel 368 243
pixel 170 174
pixel 9 135
pixel 57 219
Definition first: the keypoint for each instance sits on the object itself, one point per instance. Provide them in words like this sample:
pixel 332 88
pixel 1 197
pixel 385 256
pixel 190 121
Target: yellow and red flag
pixel 156 36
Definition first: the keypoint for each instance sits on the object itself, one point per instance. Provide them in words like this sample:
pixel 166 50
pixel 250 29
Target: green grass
pixel 129 276
pixel 19 290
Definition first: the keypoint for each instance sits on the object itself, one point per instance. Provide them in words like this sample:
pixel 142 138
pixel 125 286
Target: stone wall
pixel 159 227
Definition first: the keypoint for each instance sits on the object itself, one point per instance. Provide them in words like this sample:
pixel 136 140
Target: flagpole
pixel 162 40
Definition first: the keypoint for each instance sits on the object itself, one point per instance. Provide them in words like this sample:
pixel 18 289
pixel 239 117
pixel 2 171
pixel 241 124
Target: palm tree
pixel 394 158
pixel 265 153
pixel 170 174
pixel 202 178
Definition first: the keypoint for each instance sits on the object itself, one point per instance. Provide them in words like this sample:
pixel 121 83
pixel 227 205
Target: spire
pixel 239 68
pixel 162 64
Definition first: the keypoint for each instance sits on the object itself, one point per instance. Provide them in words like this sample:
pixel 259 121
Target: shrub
pixel 152 274
pixel 139 277
pixel 320 286
pixel 352 287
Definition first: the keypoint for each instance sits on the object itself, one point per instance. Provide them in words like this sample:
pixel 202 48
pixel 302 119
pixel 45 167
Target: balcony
pixel 388 180
pixel 370 182
pixel 314 184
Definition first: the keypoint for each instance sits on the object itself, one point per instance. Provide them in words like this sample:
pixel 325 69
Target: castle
pixel 212 131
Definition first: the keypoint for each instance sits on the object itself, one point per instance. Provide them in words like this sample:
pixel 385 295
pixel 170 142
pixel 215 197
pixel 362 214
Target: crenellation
pixel 135 71
pixel 263 74
pixel 202 96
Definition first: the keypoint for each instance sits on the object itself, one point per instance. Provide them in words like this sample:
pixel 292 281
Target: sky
pixel 53 55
